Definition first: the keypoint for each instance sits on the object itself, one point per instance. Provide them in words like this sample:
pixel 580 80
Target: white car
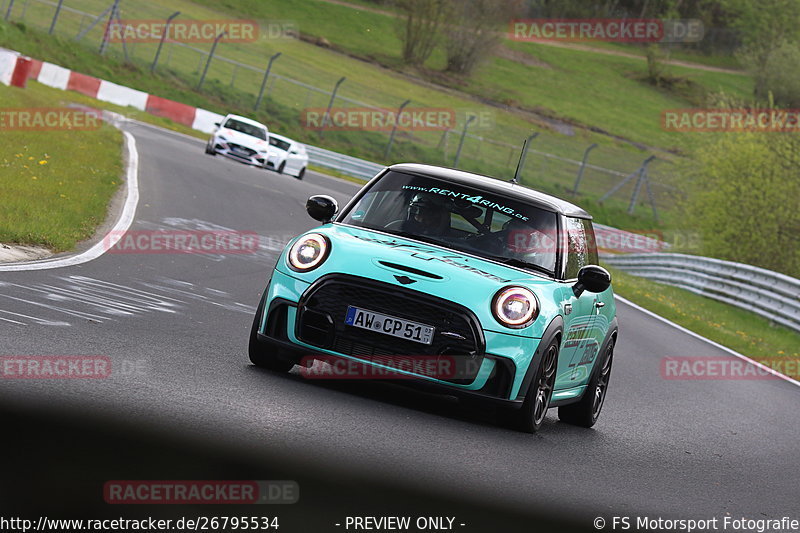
pixel 287 156
pixel 241 139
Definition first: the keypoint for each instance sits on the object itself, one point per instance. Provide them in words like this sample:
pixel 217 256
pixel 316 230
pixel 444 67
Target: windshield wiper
pixel 512 261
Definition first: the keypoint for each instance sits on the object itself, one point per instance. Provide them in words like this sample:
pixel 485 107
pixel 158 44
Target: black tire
pixel 282 168
pixel 210 151
pixel 260 354
pixel 531 415
pixel 301 173
pixel 586 412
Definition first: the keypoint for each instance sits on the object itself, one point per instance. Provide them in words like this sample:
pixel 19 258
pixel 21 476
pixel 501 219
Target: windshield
pixel 461 218
pixel 277 143
pixel 247 129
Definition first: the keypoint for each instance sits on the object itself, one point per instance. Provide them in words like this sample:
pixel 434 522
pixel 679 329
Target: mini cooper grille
pixel 331 296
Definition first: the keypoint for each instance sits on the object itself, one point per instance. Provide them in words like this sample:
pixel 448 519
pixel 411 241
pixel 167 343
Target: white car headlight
pixel 308 252
pixel 515 307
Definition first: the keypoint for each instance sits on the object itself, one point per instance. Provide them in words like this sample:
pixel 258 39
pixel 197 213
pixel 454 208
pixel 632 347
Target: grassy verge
pixel 599 91
pixel 542 173
pixel 55 185
pixel 740 330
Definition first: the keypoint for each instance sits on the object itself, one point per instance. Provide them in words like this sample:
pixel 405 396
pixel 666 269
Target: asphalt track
pixel 176 326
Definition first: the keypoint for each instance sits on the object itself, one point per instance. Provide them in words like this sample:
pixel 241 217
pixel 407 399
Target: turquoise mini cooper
pixel 482 288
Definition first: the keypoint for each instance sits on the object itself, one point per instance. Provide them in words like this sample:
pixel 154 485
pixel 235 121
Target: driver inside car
pixel 527 242
pixel 427 214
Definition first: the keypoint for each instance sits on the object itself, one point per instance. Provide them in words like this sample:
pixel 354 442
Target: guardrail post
pixel 583 167
pixel 463 136
pixel 161 41
pixel 264 81
pixel 330 106
pixel 8 11
pixel 394 129
pixel 210 57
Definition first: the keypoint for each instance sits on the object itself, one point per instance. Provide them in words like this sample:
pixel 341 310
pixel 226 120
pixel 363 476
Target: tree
pixel 473 32
pixel 743 198
pixel 422 29
pixel 765 28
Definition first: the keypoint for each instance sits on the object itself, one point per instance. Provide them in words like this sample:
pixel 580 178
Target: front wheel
pixel 531 415
pixel 282 168
pixel 260 354
pixel 586 412
pixel 301 173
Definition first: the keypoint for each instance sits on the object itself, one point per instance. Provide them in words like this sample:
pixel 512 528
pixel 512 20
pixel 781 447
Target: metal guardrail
pixel 770 294
pixel 352 166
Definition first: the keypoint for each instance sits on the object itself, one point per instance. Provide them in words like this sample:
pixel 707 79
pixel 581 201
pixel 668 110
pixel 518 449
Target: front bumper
pixel 243 155
pixel 503 358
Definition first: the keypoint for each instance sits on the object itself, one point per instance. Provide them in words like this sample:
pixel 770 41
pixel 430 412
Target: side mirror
pixel 216 123
pixel 293 152
pixel 592 278
pixel 322 207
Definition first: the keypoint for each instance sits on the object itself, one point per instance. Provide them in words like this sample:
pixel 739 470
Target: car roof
pixel 497 186
pixel 282 138
pixel 247 121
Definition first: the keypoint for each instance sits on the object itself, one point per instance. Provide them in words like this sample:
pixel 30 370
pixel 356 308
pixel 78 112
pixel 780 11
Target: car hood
pixel 243 139
pixel 415 265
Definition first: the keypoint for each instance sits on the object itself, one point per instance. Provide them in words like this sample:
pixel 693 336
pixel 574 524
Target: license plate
pixel 389 325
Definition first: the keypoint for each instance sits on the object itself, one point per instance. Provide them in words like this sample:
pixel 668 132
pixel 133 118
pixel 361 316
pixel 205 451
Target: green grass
pixel 546 174
pixel 55 185
pixel 597 91
pixel 740 330
pixel 588 88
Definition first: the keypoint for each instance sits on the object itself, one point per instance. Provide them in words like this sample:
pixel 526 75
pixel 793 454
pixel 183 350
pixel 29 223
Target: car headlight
pixel 308 252
pixel 515 307
pixel 221 138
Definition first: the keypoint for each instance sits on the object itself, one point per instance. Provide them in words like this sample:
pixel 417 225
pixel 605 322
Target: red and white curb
pixel 14 66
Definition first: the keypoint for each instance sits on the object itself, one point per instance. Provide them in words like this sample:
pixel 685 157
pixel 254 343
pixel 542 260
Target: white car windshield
pixel 281 145
pixel 247 129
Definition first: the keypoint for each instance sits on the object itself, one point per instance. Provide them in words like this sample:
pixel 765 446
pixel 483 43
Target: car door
pixel 293 163
pixel 583 331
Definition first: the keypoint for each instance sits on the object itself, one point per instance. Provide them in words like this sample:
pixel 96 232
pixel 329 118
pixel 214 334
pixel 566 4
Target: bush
pixel 782 74
pixel 743 199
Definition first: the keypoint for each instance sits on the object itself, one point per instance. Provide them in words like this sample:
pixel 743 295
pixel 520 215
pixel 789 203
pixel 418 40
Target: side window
pixel 591 243
pixel 578 255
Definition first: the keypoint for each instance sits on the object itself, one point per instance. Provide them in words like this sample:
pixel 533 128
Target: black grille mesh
pixel 333 295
